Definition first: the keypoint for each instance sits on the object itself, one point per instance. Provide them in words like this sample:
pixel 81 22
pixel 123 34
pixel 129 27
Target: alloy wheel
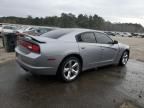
pixel 71 69
pixel 125 58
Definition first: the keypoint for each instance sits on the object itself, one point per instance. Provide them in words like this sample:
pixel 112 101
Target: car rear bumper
pixel 36 70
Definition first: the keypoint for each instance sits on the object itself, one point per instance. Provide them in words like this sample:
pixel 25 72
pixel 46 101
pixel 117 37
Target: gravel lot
pixel 4 57
pixel 136 45
pixel 1 43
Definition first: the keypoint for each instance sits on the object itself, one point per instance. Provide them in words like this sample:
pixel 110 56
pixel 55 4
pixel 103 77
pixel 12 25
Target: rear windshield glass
pixel 55 34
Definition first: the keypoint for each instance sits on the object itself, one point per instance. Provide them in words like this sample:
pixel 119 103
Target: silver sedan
pixel 67 52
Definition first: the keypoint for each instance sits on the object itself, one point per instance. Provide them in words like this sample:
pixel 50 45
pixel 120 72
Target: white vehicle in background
pixel 8 29
pixel 110 33
pixel 140 35
pixel 0 29
pixel 39 31
pixel 25 29
pixel 125 34
pixel 30 28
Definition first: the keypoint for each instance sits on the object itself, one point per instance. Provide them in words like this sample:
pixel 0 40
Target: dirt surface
pixel 136 46
pixel 128 105
pixel 1 45
pixel 4 56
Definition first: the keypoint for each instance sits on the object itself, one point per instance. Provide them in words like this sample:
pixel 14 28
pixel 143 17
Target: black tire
pixel 125 56
pixel 61 72
pixel 34 74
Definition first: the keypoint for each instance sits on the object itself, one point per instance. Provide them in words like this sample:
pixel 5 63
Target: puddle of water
pixel 140 60
pixel 128 105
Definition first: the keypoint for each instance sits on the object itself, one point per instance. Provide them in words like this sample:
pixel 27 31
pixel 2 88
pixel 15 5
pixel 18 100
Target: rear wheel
pixel 124 58
pixel 70 69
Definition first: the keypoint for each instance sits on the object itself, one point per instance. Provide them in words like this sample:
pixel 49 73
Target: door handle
pixel 102 47
pixel 83 47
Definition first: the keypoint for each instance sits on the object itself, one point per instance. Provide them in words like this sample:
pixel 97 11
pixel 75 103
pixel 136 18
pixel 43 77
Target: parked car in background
pixel 134 34
pixel 23 29
pixel 39 31
pixel 0 30
pixel 110 33
pixel 142 35
pixel 125 34
pixel 8 29
pixel 67 52
pixel 138 35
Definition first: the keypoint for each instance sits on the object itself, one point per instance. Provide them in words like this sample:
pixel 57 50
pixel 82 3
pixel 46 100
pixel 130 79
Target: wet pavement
pixel 107 87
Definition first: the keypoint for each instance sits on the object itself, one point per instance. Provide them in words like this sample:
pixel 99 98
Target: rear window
pixel 55 34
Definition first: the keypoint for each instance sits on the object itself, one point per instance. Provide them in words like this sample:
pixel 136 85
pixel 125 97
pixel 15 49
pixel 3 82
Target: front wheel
pixel 124 58
pixel 70 69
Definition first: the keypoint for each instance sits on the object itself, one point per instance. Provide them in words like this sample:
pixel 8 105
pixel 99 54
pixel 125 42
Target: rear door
pixel 109 50
pixel 89 50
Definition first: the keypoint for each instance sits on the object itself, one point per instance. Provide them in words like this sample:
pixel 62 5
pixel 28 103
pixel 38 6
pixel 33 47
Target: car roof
pixel 78 29
pixel 72 32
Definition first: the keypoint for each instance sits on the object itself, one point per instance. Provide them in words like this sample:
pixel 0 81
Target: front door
pixel 109 50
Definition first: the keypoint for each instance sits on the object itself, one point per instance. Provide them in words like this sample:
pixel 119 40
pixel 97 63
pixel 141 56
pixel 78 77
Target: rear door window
pixel 87 37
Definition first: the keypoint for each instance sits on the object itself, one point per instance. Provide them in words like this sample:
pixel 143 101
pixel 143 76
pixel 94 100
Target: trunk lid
pixel 26 42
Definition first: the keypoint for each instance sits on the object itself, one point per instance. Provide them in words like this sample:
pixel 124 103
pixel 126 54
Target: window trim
pixel 83 33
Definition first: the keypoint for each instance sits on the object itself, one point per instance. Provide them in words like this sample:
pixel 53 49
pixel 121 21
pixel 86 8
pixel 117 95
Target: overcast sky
pixel 112 10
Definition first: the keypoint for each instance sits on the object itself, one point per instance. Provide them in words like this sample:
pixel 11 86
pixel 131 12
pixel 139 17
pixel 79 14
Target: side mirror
pixel 115 42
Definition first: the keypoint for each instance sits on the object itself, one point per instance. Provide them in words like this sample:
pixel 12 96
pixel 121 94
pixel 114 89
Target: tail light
pixel 30 46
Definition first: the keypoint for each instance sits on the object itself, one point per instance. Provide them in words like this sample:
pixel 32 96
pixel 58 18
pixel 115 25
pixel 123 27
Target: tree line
pixel 72 21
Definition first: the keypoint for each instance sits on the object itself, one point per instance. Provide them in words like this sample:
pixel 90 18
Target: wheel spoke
pixel 70 63
pixel 66 70
pixel 68 75
pixel 74 71
pixel 126 56
pixel 74 65
pixel 125 60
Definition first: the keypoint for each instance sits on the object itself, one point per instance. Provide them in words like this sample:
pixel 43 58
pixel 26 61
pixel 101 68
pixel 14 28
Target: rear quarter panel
pixel 57 50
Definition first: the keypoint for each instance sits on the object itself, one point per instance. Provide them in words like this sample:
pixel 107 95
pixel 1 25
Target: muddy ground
pixel 107 87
